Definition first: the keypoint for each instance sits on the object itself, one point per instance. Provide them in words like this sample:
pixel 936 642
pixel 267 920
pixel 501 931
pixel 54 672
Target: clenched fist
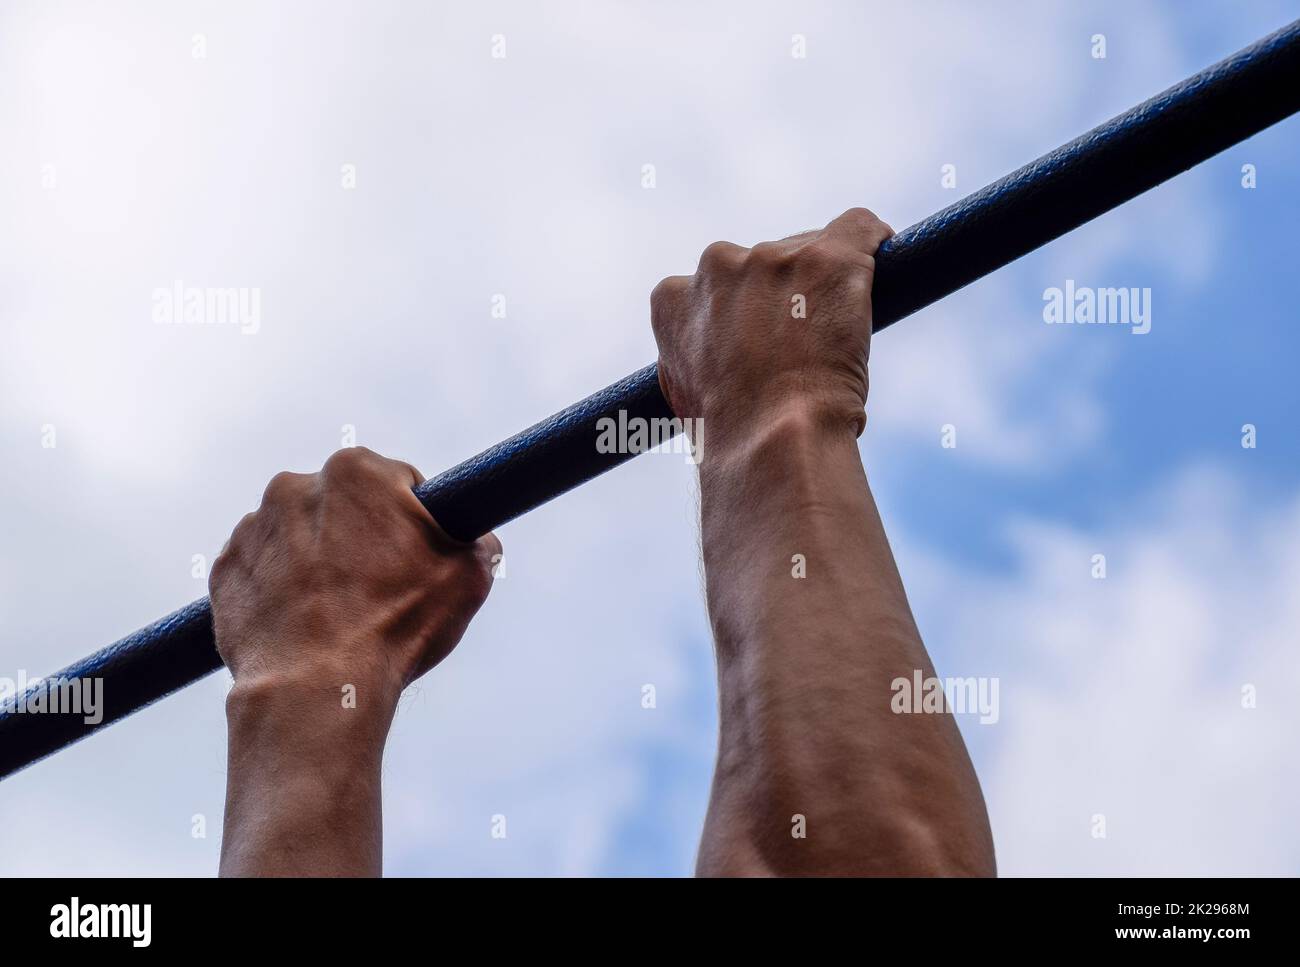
pixel 342 576
pixel 783 324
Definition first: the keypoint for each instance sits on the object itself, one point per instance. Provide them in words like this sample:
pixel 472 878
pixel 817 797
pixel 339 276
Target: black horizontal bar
pixel 1111 164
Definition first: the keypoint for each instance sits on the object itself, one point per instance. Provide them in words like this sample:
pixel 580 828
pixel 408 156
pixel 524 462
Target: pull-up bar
pixel 1112 163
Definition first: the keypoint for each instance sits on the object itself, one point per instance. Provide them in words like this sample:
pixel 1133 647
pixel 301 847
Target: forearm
pixel 805 665
pixel 303 787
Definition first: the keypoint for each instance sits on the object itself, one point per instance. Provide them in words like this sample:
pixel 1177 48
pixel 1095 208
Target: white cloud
pixel 1123 697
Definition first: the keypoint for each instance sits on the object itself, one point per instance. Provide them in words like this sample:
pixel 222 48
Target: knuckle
pixel 349 462
pixel 770 256
pixel 237 537
pixel 409 470
pixel 665 293
pixel 281 487
pixel 217 571
pixel 218 575
pixel 232 551
pixel 864 224
pixel 721 257
pixel 863 217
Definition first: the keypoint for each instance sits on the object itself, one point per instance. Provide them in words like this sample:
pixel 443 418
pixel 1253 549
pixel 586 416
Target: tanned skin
pixel 342 583
pixel 805 663
pixel 328 601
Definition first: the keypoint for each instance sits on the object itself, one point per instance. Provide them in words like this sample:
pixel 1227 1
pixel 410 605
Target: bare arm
pixel 328 601
pixel 808 611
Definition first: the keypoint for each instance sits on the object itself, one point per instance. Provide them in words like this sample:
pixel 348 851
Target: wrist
pixel 316 717
pixel 799 431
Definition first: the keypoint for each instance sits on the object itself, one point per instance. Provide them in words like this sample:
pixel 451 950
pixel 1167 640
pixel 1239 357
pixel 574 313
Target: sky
pixel 378 176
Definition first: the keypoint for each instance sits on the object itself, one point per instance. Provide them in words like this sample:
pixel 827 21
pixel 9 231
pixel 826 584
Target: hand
pixel 754 331
pixel 343 577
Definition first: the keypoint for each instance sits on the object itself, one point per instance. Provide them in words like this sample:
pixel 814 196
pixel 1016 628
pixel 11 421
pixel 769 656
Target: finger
pixel 287 487
pixel 350 463
pixel 667 296
pixel 399 471
pixel 409 472
pixel 246 526
pixel 859 228
pixel 721 257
